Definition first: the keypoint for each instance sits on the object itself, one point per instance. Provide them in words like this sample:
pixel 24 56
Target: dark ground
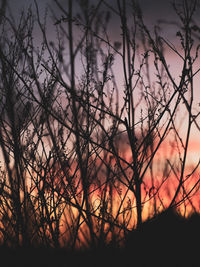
pixel 167 240
pixel 103 258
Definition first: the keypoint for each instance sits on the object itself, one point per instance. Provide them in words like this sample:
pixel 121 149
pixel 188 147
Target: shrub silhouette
pixel 82 154
pixel 166 237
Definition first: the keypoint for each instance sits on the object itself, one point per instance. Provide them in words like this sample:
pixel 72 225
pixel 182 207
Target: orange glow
pixel 106 198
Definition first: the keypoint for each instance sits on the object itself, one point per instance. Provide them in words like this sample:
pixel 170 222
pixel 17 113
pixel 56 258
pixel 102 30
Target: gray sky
pixel 152 9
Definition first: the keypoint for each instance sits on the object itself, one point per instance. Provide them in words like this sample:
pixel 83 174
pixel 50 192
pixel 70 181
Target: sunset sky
pixel 155 12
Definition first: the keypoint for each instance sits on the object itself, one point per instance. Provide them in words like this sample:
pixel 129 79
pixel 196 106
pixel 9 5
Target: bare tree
pixel 82 156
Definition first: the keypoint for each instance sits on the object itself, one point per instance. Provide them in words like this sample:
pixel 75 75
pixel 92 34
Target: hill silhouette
pixel 166 240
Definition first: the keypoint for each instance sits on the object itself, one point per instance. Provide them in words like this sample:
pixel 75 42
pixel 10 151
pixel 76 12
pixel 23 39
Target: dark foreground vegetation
pixel 168 239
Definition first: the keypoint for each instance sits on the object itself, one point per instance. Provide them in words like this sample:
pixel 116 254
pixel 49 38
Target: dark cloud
pixel 156 9
pixel 153 12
